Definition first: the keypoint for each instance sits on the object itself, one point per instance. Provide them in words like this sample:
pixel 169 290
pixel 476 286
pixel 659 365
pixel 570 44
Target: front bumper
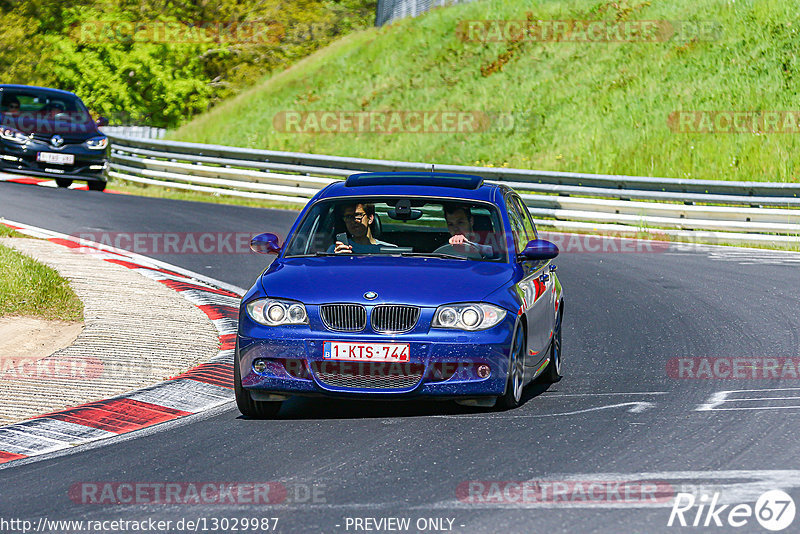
pixel 90 165
pixel 445 362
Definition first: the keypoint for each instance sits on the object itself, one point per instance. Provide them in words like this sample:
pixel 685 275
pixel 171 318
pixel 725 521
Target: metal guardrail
pixel 391 10
pixel 714 211
pixel 145 132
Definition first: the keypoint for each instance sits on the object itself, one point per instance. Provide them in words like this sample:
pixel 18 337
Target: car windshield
pixel 452 229
pixel 47 105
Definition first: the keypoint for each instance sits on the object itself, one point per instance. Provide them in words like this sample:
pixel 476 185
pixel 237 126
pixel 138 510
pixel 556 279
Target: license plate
pixel 366 352
pixel 58 159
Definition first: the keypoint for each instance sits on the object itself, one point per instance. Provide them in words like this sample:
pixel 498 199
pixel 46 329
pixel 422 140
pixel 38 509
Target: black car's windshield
pixel 430 227
pixel 34 104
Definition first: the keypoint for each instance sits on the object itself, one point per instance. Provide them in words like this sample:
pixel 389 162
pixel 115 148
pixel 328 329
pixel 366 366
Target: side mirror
pixel 539 249
pixel 265 244
pixel 101 121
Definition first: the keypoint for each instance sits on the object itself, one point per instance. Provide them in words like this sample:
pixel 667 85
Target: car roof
pixel 429 184
pixel 24 87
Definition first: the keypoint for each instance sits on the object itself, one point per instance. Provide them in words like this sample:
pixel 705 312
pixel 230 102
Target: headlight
pixel 10 134
pixel 274 312
pixel 97 143
pixel 471 316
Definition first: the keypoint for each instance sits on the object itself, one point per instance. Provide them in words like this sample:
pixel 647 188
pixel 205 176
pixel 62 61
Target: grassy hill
pixel 600 107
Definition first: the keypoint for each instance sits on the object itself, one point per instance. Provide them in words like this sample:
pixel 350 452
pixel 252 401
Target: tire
pixel 516 373
pixel 247 406
pixel 552 372
pixel 96 186
pixel 63 182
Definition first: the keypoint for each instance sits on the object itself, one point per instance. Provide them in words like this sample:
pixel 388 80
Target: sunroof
pixel 434 179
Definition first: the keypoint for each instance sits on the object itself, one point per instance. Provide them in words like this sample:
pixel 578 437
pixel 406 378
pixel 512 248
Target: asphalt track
pixel 616 415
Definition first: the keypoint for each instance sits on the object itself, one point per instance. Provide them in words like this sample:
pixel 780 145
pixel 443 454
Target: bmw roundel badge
pixel 370 295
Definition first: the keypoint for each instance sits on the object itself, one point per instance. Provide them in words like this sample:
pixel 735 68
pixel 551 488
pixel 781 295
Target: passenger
pixel 358 218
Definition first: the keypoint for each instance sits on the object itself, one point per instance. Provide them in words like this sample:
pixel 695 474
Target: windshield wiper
pixel 433 255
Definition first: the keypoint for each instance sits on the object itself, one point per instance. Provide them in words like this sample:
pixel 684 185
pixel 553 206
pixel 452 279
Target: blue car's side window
pixel 517 226
pixel 527 221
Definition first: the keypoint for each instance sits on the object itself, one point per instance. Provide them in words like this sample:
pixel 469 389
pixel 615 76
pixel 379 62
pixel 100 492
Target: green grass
pixel 5 231
pixel 584 107
pixel 31 289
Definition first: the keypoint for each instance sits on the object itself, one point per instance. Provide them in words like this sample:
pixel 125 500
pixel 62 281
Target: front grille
pixel 344 317
pixel 68 140
pixel 369 375
pixel 394 319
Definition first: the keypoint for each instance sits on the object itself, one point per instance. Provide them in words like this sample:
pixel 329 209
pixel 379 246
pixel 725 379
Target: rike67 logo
pixel 774 510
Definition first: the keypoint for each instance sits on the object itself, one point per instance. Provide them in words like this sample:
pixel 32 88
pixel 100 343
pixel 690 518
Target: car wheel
pixel 63 182
pixel 552 372
pixel 247 406
pixel 516 372
pixel 96 186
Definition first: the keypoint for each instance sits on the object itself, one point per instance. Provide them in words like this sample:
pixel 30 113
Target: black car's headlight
pixel 277 312
pixel 469 316
pixel 15 136
pixel 97 143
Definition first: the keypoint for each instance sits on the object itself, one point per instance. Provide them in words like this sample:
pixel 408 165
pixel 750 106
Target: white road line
pixel 721 397
pixel 598 394
pixel 755 408
pixel 762 399
pixel 637 407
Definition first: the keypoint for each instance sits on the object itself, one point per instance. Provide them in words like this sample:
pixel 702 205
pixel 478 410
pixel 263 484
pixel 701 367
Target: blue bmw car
pixel 400 286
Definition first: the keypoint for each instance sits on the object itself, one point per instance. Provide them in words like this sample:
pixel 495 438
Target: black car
pixel 48 132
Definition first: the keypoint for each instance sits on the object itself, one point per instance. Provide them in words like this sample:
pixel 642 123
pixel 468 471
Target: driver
pixel 358 218
pixel 12 106
pixel 56 108
pixel 460 225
